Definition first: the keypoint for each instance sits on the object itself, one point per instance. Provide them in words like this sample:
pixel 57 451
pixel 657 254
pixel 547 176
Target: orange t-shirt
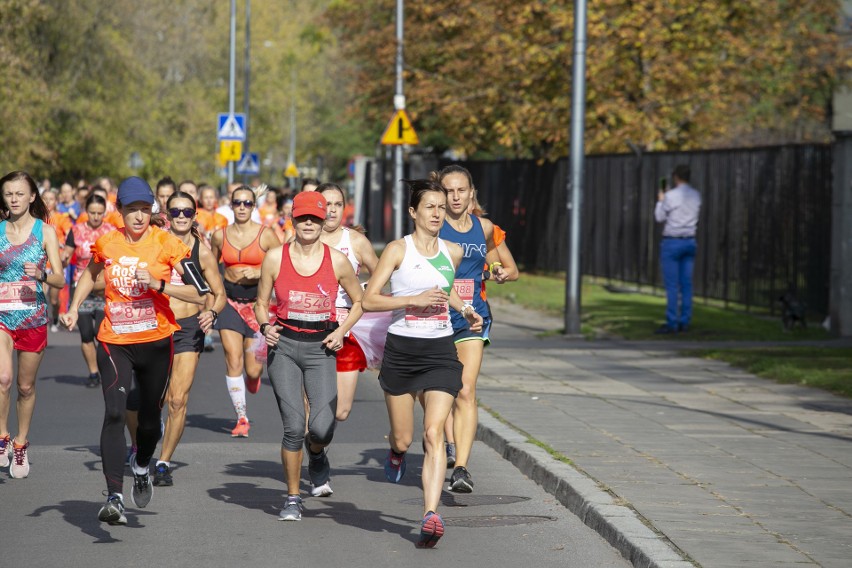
pixel 62 223
pixel 113 217
pixel 210 220
pixel 134 313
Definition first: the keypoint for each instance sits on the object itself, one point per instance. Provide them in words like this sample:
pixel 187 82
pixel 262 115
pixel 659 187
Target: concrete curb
pixel 617 524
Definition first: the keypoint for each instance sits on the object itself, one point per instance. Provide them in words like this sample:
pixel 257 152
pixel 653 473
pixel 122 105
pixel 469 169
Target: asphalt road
pixel 222 510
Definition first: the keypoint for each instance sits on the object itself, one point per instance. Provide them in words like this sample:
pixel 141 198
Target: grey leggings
pixel 295 365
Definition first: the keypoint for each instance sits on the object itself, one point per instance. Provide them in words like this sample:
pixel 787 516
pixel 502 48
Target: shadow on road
pixel 207 422
pixel 84 515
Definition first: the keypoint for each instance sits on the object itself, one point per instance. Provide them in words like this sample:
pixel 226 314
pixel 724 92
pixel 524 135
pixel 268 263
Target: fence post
pixel 840 295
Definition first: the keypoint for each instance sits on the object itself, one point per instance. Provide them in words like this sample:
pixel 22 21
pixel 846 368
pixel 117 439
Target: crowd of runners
pixel 147 276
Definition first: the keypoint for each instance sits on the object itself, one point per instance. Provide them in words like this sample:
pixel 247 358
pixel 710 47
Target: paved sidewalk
pixel 677 461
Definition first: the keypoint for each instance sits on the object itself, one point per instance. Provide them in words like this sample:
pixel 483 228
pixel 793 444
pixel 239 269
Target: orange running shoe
pixel 253 385
pixel 242 428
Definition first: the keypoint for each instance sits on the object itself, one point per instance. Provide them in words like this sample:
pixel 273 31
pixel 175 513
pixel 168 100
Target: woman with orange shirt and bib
pixel 241 247
pixel 135 337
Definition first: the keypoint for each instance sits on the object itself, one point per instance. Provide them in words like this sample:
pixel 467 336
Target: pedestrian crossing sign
pixel 249 165
pixel 399 131
pixel 231 127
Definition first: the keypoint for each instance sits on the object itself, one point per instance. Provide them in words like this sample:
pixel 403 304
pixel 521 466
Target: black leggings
pixel 151 362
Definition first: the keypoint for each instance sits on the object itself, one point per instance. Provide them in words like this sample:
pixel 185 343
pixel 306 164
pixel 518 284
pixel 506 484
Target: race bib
pixel 308 306
pixel 133 317
pixel 464 288
pixel 16 296
pixel 432 317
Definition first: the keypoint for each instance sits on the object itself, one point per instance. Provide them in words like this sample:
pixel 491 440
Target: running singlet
pixel 135 313
pixel 306 298
pixel 416 274
pixel 344 245
pixel 22 303
pixel 248 257
pixel 468 282
pixel 82 237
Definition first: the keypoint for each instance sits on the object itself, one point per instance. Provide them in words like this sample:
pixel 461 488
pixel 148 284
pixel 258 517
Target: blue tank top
pixel 22 303
pixel 468 282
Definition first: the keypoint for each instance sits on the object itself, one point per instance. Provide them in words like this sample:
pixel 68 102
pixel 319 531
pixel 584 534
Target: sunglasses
pixel 246 203
pixel 188 212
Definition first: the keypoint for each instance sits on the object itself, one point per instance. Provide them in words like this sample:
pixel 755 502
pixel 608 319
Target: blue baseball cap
pixel 135 189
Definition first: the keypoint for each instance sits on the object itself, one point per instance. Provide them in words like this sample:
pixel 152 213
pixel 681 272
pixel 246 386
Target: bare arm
pixel 217 300
pixel 81 292
pixel 51 249
pixel 364 252
pixel 268 273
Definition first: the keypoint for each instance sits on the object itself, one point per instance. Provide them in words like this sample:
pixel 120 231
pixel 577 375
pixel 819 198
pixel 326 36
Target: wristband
pixel 493 264
pixel 162 286
pixel 465 309
pixel 263 327
pixel 43 276
pixel 215 314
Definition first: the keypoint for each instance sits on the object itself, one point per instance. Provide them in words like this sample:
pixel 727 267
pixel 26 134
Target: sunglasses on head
pixel 246 203
pixel 188 212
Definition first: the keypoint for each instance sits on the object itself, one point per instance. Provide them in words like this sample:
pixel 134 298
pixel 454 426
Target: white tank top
pixel 417 274
pixel 344 245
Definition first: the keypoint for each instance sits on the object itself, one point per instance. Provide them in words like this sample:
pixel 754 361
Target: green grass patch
pixel 636 315
pixel 828 368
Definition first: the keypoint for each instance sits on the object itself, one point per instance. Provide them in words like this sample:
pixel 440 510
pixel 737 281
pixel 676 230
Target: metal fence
pixel 765 224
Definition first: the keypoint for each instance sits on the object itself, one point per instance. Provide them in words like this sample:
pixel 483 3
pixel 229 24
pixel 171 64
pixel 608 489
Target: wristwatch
pixel 263 327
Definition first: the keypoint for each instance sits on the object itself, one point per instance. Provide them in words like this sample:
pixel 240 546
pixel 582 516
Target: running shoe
pixel 242 428
pixel 431 530
pixel 253 385
pixel 113 511
pixel 142 488
pixel 451 454
pixel 163 476
pixel 94 380
pixel 460 481
pixel 319 471
pixel 20 462
pixel 5 450
pixel 292 511
pixel 131 454
pixel 394 466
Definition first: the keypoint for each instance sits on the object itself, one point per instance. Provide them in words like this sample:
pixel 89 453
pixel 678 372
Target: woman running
pixel 241 247
pixel 419 353
pixel 78 244
pixel 62 224
pixel 26 242
pixel 351 359
pixel 306 276
pixel 476 238
pixel 194 324
pixel 135 338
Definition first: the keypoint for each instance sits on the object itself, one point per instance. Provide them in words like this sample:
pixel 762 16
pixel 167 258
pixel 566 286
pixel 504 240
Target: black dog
pixel 792 311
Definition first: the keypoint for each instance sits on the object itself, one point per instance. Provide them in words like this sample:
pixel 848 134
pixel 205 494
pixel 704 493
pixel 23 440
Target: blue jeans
pixel 677 257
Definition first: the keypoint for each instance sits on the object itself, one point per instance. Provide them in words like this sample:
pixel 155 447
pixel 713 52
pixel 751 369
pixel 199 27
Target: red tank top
pixel 248 257
pixel 306 298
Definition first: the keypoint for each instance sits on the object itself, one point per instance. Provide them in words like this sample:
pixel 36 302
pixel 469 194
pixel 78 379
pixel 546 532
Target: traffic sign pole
pixel 399 103
pixel 232 79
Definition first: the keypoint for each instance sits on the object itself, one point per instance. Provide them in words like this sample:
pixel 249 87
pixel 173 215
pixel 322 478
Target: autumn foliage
pixel 494 76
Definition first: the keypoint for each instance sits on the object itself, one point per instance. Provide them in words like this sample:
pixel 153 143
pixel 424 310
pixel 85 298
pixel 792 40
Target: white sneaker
pixel 5 450
pixel 20 467
pixel 323 490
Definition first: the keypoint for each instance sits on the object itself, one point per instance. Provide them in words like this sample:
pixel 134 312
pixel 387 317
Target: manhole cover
pixel 496 521
pixel 471 500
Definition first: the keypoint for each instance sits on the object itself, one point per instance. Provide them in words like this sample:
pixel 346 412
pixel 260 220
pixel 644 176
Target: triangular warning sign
pixel 231 130
pixel 291 171
pixel 400 131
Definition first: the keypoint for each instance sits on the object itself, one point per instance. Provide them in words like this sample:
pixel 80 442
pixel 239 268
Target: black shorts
pixel 230 319
pixel 414 364
pixel 189 338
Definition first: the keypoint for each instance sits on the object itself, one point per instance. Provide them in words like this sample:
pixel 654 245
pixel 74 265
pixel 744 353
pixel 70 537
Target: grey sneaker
pixel 142 488
pixel 292 511
pixel 113 511
pixel 460 481
pixel 451 454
